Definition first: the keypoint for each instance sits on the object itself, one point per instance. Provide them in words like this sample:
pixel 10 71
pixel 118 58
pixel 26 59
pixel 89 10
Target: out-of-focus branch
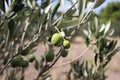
pixel 47 67
pixel 73 59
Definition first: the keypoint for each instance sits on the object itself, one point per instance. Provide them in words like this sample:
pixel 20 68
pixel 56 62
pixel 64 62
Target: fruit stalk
pixel 47 67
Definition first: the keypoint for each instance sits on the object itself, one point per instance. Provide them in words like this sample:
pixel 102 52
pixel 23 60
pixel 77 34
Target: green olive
pixel 25 52
pixel 50 56
pixel 56 38
pixel 64 52
pixel 66 44
pixel 31 57
pixel 17 62
pixel 24 64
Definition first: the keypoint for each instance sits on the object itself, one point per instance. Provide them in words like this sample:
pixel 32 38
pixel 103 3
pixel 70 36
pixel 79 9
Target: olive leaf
pixel 96 58
pixel 6 58
pixel 98 3
pixel 11 27
pixel 112 45
pixel 68 23
pixel 2 5
pixel 7 1
pixel 70 12
pixel 36 65
pixel 18 7
pixel 55 10
pixel 34 16
pixel 44 3
pixel 87 41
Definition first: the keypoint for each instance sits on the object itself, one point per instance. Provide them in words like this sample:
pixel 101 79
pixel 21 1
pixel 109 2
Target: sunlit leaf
pixel 96 22
pixel 62 5
pixel 55 10
pixel 48 8
pixel 102 28
pixel 68 23
pixel 83 3
pixel 86 32
pixel 7 1
pixel 111 32
pixel 107 27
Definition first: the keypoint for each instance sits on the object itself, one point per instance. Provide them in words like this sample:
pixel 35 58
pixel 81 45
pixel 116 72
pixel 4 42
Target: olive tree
pixel 25 23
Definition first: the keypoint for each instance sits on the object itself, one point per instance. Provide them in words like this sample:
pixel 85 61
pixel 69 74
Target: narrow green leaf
pixel 62 5
pixel 96 23
pixel 71 12
pixel 100 45
pixel 112 45
pixel 34 16
pixel 55 10
pixel 87 41
pixel 82 11
pixel 102 28
pixel 68 23
pixel 2 5
pixel 98 3
pixel 44 3
pixel 36 65
pixel 11 26
pixel 111 32
pixel 101 57
pixel 43 15
pixel 7 1
pixel 107 27
pixel 85 32
pixel 6 58
pixel 96 58
pixel 48 8
pixel 18 7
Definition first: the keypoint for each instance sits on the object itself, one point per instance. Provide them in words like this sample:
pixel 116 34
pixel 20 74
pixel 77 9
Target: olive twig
pixel 47 67
pixel 73 59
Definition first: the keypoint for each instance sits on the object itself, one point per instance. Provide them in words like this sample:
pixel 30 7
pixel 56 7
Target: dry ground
pixel 77 47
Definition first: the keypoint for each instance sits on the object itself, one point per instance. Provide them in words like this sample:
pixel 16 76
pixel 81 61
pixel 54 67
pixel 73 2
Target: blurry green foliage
pixel 112 13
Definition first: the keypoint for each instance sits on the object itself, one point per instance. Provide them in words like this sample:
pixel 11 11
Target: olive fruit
pixel 66 44
pixel 25 52
pixel 49 56
pixel 56 38
pixel 64 52
pixel 31 57
pixel 25 64
pixel 17 62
